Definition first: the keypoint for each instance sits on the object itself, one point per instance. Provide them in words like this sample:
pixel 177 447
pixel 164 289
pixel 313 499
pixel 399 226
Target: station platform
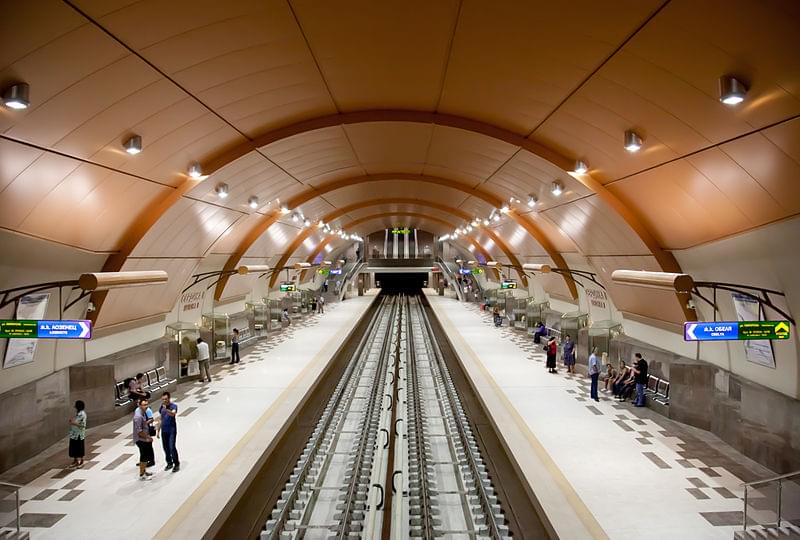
pixel 598 470
pixel 224 427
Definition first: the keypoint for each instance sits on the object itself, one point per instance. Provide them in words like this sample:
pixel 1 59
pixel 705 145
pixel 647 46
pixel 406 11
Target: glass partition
pixel 572 323
pixel 183 346
pixel 536 312
pixel 603 335
pixel 217 327
pixel 260 312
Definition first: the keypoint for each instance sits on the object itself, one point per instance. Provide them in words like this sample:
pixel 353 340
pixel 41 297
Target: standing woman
pixel 77 435
pixel 552 352
pixel 569 354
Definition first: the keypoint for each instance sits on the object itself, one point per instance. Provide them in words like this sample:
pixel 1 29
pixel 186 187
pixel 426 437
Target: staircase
pixel 12 534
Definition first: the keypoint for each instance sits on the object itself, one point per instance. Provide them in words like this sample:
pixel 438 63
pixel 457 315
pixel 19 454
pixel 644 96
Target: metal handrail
pixel 765 481
pixel 15 488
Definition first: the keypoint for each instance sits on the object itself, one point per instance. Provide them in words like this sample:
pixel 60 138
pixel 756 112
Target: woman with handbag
pixel 552 352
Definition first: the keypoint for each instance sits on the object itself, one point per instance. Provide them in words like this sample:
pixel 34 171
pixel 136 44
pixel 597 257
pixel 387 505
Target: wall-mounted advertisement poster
pixel 756 351
pixel 21 351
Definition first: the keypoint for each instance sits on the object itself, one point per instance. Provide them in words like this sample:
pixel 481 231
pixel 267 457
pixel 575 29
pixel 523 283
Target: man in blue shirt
pixel 594 373
pixel 169 431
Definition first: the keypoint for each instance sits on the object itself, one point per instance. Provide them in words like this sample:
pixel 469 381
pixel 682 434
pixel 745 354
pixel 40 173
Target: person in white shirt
pixel 321 304
pixel 203 359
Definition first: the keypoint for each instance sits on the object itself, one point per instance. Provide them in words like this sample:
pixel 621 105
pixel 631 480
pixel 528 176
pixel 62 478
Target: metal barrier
pixel 778 481
pixel 15 489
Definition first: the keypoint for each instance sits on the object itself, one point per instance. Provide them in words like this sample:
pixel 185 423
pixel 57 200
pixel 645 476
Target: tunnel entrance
pixel 401 282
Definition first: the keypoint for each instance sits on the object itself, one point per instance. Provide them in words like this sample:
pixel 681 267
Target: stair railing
pixel 779 480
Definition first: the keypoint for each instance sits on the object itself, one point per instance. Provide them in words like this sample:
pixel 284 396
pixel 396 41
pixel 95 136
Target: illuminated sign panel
pixel 740 330
pixel 403 230
pixel 45 329
pixel 288 287
pixel 477 271
pixel 508 284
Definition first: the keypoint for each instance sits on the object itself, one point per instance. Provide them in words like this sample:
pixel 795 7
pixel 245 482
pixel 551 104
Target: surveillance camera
pixel 90 307
pixel 690 304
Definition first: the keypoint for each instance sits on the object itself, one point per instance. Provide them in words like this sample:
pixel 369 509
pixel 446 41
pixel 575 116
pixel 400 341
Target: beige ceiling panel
pixel 251 175
pixel 14 159
pixel 588 127
pixel 390 147
pixel 465 155
pixel 772 165
pixel 476 207
pixel 69 52
pixel 526 174
pixel 518 239
pixel 786 136
pixel 273 242
pixel 513 62
pixel 595 228
pixel 395 189
pixel 91 208
pixel 315 155
pixel 652 303
pixel 188 229
pixel 683 206
pixel 692 44
pixel 230 240
pixel 312 210
pixel 379 55
pixel 122 305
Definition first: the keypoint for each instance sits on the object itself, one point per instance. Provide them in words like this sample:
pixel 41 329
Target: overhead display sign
pixel 398 230
pixel 731 331
pixel 508 284
pixel 336 271
pixel 477 271
pixel 45 329
pixel 288 287
pixel 324 271
pixel 464 271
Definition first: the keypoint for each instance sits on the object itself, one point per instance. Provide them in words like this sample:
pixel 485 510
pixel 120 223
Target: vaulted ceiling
pixel 322 106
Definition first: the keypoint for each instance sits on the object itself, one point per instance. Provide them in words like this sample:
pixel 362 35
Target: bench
pixel 155 379
pixel 657 389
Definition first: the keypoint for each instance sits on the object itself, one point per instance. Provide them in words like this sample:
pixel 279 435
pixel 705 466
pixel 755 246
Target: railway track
pixel 393 454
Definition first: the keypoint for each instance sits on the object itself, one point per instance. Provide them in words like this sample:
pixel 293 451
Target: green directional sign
pixel 19 329
pixel 477 271
pixel 508 284
pixel 288 287
pixel 324 271
pixel 763 329
pixel 398 230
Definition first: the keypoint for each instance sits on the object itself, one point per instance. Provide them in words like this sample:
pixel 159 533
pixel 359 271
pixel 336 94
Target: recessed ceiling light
pixel 306 223
pixel 633 142
pixel 321 224
pixel 505 209
pixel 284 210
pixel 731 90
pixel 16 96
pixel 496 217
pixel 486 221
pixel 557 189
pixel 253 202
pixel 133 145
pixel 581 167
pixel 221 190
pixel 532 200
pixel 196 171
pixel 295 217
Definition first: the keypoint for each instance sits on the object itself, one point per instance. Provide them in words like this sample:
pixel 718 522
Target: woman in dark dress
pixel 552 352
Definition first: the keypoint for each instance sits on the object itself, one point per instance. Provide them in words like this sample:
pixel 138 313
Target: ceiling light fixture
pixel 133 145
pixel 321 224
pixel 306 223
pixel 221 190
pixel 496 217
pixel 196 171
pixel 556 188
pixel 486 221
pixel 295 217
pixel 16 96
pixel 284 210
pixel 505 209
pixel 532 200
pixel 581 167
pixel 731 90
pixel 633 142
pixel 253 202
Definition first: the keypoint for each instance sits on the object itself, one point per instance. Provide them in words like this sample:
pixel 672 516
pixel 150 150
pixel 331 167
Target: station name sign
pixel 398 230
pixel 508 284
pixel 738 330
pixel 32 329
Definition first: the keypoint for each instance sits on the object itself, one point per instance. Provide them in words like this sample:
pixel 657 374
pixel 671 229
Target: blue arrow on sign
pixel 64 329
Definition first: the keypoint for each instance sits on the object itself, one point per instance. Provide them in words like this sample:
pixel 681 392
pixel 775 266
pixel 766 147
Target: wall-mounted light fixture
pixel 196 171
pixel 557 188
pixel 532 200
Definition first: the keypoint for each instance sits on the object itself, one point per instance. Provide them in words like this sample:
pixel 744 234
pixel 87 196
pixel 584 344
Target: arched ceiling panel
pixel 595 229
pixel 274 241
pixel 247 59
pixel 386 147
pixel 317 156
pixel 663 82
pixel 62 199
pixel 398 62
pixel 393 188
pixel 516 76
pixel 464 155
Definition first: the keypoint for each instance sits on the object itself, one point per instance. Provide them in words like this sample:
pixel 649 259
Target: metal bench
pixel 658 389
pixel 121 394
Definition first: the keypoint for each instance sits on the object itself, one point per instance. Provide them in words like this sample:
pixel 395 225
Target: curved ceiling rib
pixel 377 202
pixel 269 219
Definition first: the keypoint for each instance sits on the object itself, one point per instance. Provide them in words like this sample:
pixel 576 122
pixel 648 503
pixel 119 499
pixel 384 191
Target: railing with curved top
pixel 779 482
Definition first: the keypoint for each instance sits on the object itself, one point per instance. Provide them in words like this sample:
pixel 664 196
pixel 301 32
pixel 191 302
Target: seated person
pixel 627 386
pixel 135 388
pixel 285 317
pixel 610 376
pixel 541 331
pixel 623 373
pixel 498 319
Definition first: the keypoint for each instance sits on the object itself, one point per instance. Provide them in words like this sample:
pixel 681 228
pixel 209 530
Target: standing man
pixel 203 356
pixel 235 347
pixel 569 354
pixel 640 378
pixel 142 438
pixel 321 305
pixel 168 431
pixel 594 373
